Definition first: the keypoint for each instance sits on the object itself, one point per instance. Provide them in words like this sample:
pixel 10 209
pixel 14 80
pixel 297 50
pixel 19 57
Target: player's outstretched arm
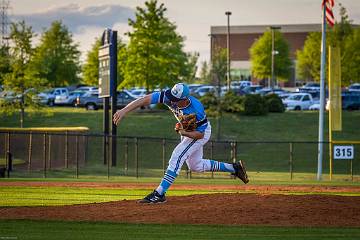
pixel 140 102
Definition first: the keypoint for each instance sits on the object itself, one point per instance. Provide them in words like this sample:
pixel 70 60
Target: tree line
pixel 343 35
pixel 154 56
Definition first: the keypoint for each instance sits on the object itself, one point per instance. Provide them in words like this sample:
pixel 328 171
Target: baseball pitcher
pixel 194 129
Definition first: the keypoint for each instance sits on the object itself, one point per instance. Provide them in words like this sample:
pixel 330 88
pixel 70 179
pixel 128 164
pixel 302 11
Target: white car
pixel 298 101
pixel 138 93
pixel 354 87
pixel 309 87
pixel 240 84
pixel 87 89
pixel 201 91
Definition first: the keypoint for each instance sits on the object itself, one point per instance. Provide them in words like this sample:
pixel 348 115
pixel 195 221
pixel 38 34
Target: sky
pixel 87 19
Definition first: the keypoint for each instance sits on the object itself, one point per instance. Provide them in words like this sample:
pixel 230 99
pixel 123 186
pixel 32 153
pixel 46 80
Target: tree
pixel 341 30
pixel 218 71
pixel 308 59
pixel 350 66
pixel 4 62
pixel 57 57
pixel 205 75
pixel 219 67
pixel 260 56
pixel 155 56
pixel 91 67
pixel 18 80
pixel 191 67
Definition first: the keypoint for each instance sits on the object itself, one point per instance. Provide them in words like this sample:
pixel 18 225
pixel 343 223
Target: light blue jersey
pixel 194 107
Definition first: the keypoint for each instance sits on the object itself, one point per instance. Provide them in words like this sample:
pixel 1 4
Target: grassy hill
pixel 288 126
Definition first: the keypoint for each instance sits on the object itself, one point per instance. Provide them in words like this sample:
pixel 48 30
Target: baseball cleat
pixel 153 197
pixel 240 171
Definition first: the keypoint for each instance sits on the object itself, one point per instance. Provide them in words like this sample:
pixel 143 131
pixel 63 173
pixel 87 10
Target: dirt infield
pixel 261 208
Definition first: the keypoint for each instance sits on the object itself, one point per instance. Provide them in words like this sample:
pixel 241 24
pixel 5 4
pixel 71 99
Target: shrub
pixel 255 105
pixel 210 102
pixel 232 103
pixel 274 103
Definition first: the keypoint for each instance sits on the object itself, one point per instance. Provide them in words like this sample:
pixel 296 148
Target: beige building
pixel 242 37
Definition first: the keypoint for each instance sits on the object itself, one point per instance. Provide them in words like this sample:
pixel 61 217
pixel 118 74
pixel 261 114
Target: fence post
pixel 163 153
pixel 108 161
pixel 291 160
pixel 9 163
pixel 30 152
pixel 77 154
pixel 66 149
pixel 136 158
pixel 85 141
pixel 235 152
pixel 44 154
pixel 126 156
pixel 49 153
pixel 212 155
pixel 5 145
pixel 232 156
pixel 8 147
pixel 351 170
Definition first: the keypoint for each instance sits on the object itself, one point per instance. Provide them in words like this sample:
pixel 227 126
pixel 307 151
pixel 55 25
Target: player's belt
pixel 201 122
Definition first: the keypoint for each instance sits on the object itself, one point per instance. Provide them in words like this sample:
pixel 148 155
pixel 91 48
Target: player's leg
pixel 182 151
pixel 196 163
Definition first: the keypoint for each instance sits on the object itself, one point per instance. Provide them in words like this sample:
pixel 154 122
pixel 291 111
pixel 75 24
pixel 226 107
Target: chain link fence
pixel 81 155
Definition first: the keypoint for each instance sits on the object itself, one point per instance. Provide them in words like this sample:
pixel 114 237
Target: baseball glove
pixel 186 122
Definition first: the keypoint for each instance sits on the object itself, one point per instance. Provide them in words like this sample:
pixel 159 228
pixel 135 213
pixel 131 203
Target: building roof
pixel 285 28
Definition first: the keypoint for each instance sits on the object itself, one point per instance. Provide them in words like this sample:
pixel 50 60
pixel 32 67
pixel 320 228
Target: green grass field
pixel 12 196
pixel 25 229
pixel 290 126
pixel 53 196
pixel 260 157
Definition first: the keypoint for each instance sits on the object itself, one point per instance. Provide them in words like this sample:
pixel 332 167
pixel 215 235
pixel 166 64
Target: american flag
pixel 329 4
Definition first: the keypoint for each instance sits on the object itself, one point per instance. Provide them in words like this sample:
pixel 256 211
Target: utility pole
pixel 4 8
pixel 228 51
pixel 273 53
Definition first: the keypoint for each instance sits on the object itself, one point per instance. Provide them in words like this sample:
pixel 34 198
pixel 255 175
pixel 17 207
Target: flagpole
pixel 322 95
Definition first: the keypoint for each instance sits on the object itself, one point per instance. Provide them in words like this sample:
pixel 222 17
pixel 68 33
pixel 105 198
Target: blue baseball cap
pixel 178 92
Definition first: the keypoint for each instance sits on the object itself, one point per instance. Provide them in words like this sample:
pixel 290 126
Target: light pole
pixel 228 50
pixel 273 53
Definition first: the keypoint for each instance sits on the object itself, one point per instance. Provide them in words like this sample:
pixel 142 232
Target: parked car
pixel 253 89
pixel 240 84
pixel 124 98
pixel 350 101
pixel 193 87
pixel 7 97
pixel 201 91
pixel 138 93
pixel 354 87
pixel 298 101
pixel 266 91
pixel 48 97
pixel 87 89
pixel 309 87
pixel 69 100
pixel 91 100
